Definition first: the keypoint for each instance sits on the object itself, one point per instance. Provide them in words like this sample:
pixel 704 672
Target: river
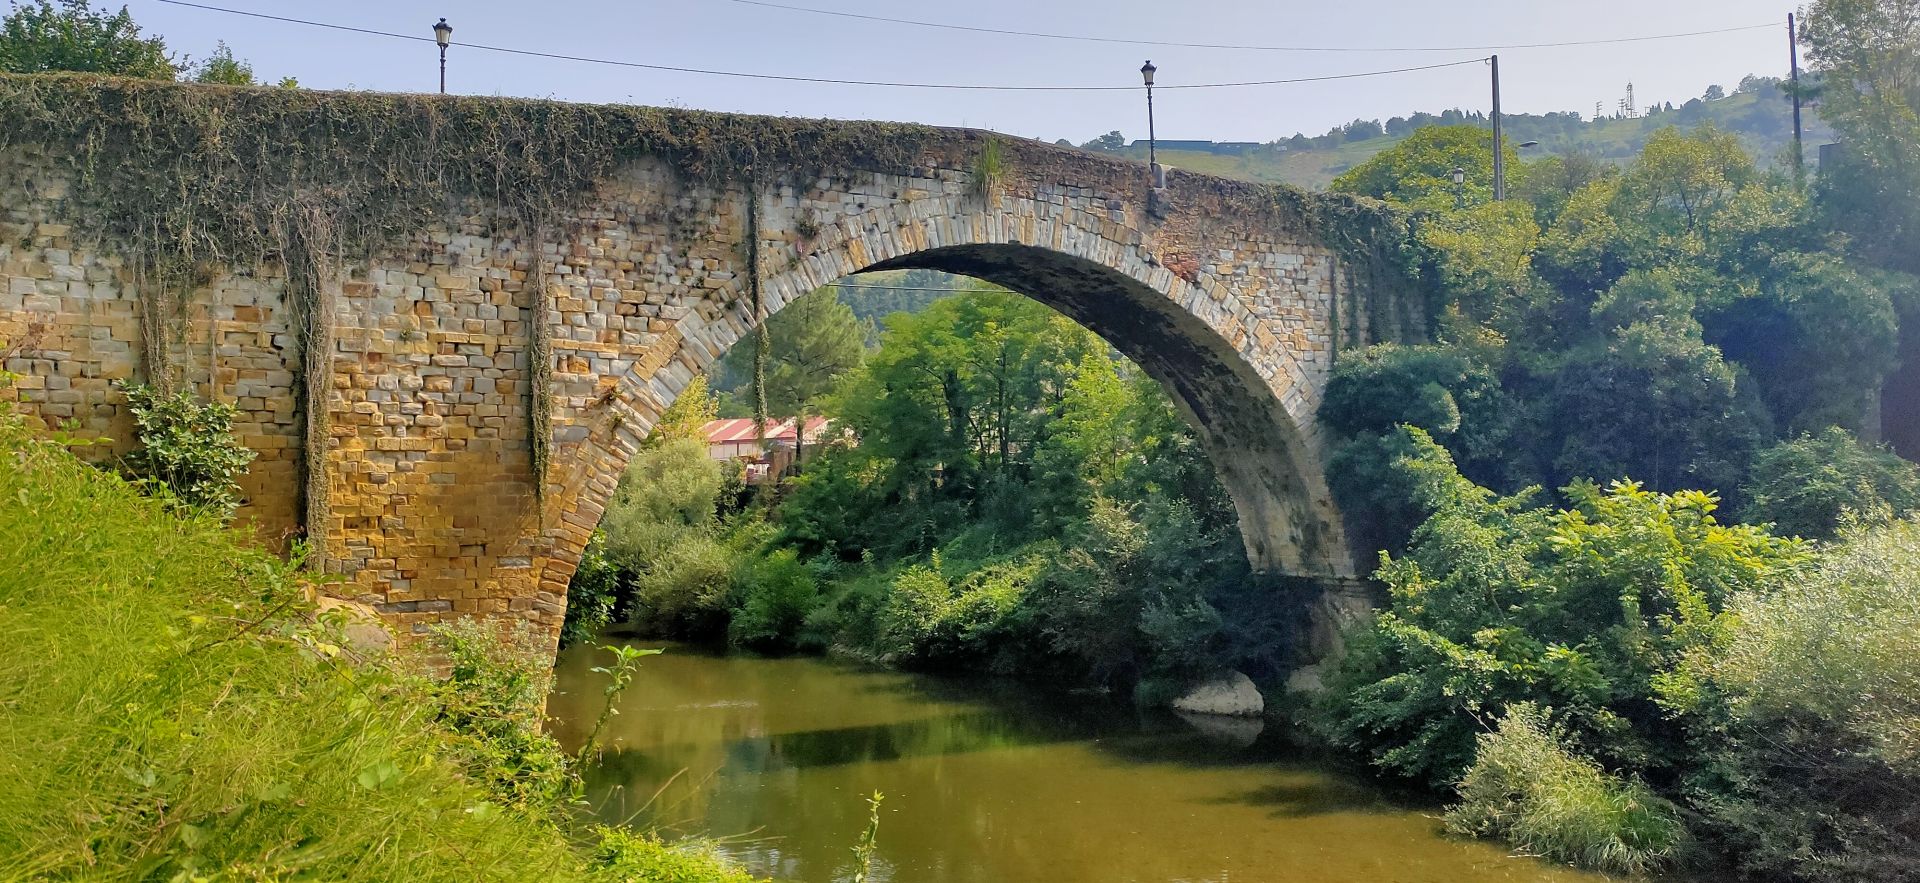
pixel 988 782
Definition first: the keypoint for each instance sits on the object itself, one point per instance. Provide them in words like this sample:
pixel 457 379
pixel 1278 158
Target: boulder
pixel 1232 694
pixel 365 632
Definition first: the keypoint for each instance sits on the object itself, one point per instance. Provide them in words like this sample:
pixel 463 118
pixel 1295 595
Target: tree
pixel 1651 401
pixel 1868 55
pixel 38 37
pixel 687 417
pixel 221 68
pixel 1419 170
pixel 1805 487
pixel 1587 611
pixel 816 341
pixel 1111 141
pixel 1715 93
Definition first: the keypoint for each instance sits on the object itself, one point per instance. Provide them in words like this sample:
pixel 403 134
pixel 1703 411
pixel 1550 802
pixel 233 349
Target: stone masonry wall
pixel 435 511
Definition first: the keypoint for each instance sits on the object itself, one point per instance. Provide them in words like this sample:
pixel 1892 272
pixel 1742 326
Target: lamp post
pixel 1459 187
pixel 443 34
pixel 1153 159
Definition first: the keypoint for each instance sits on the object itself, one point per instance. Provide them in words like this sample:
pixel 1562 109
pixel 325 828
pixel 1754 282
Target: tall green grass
pixel 1528 790
pixel 169 711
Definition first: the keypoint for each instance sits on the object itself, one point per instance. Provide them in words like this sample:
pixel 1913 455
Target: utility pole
pixel 1499 139
pixel 1793 51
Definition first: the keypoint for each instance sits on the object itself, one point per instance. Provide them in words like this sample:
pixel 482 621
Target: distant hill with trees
pixel 1758 111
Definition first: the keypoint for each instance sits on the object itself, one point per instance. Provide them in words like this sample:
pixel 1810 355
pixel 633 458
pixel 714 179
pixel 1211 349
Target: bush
pixel 493 702
pixel 1589 610
pixel 187 449
pixel 1813 770
pixel 688 586
pixel 594 595
pixel 779 592
pixel 623 856
pixel 1804 487
pixel 1528 790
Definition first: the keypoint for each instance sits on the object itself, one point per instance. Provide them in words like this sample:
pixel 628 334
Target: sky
pixel 736 36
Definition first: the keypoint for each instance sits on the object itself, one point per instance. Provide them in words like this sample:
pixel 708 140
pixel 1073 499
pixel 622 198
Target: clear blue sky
pixel 726 35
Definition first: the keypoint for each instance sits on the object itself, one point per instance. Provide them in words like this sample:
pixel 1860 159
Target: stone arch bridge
pixel 398 414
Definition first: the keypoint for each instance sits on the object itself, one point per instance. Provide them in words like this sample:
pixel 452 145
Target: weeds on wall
pixel 186 450
pixel 989 172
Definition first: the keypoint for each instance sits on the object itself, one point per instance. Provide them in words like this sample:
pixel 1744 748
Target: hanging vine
pixel 306 236
pixel 539 363
pixel 762 344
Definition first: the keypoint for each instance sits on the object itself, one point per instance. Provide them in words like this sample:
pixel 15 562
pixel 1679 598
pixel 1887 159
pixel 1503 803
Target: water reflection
pixel 989 782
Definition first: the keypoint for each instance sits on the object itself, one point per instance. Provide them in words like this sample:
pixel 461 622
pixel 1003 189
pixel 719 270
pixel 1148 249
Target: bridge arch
pixel 1248 383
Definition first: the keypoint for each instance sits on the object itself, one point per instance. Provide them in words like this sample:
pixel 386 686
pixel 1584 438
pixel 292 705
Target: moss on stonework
pixel 214 173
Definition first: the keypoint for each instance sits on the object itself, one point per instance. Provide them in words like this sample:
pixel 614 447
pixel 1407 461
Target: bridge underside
pixel 1251 439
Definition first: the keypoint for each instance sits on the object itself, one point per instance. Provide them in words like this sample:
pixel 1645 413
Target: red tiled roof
pixel 740 430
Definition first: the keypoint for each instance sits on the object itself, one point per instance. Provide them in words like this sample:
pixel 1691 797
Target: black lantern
pixel 443 34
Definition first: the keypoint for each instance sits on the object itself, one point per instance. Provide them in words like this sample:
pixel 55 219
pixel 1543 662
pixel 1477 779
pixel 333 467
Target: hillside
pixel 1760 114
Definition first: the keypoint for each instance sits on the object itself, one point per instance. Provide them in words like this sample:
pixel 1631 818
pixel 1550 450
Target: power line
pixel 1240 46
pixel 881 286
pixel 822 80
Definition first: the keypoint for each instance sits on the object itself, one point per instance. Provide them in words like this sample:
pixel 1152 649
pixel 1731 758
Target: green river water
pixel 989 782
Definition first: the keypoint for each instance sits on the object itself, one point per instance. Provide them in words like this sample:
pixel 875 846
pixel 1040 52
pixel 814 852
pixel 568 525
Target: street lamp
pixel 1459 187
pixel 443 34
pixel 1153 159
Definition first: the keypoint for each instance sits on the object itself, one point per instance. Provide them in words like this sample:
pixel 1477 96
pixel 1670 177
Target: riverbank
pixel 174 709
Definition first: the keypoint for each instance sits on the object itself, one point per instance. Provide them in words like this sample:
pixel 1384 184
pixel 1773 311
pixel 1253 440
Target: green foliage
pixel 491 702
pixel 864 851
pixel 592 595
pixel 812 342
pixel 1808 486
pixel 1586 611
pixel 1865 51
pixel 170 711
pixel 778 591
pixel 687 417
pixel 670 490
pixel 626 661
pixel 1419 170
pixel 187 449
pixel 1653 401
pixel 1810 715
pixel 628 857
pixel 1527 789
pixel 624 856
pixel 222 69
pixel 39 36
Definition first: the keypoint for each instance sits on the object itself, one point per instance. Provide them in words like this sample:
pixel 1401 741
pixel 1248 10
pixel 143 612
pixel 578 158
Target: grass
pixel 168 710
pixel 1526 789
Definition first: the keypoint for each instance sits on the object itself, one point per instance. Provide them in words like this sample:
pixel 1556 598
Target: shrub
pixel 187 449
pixel 624 856
pixel 594 595
pixel 492 702
pixel 688 587
pixel 779 592
pixel 1805 486
pixel 1589 610
pixel 1528 790
pixel 1813 771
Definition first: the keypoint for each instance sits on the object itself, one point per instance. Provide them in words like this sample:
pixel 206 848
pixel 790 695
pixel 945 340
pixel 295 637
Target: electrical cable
pixel 1240 46
pixel 824 80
